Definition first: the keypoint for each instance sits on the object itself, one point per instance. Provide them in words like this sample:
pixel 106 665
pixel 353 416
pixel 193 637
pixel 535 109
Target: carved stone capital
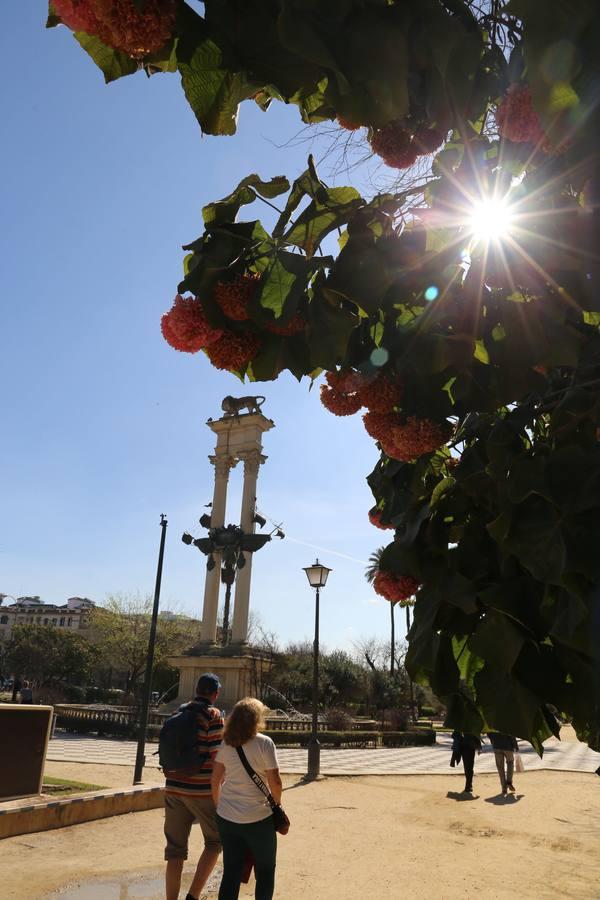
pixel 223 464
pixel 252 460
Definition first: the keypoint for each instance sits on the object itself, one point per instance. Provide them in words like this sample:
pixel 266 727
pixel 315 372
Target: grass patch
pixel 64 787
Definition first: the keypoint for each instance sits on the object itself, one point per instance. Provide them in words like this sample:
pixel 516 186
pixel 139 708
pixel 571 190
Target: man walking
pixel 464 746
pixel 505 747
pixel 188 797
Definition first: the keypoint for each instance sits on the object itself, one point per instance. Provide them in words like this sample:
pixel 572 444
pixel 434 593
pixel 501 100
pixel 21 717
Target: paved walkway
pixel 567 756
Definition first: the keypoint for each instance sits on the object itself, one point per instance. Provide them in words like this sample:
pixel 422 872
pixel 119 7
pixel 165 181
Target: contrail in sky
pixel 326 550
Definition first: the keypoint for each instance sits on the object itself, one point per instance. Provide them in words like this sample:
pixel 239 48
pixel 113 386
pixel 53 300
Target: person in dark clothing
pixel 16 689
pixel 464 747
pixel 505 747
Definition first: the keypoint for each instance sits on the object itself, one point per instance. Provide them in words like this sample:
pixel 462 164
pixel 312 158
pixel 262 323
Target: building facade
pixel 73 615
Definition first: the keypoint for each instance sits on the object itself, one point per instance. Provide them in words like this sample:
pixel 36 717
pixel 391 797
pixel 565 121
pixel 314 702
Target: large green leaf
pixel 331 327
pixel 217 252
pixel 498 641
pixel 285 280
pixel 308 184
pixel 226 210
pixel 213 90
pixel 322 216
pixel 507 704
pixel 113 63
pixel 299 35
pixel 535 537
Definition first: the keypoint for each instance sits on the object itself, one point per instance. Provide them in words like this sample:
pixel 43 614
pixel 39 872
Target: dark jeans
pixel 258 837
pixel 468 758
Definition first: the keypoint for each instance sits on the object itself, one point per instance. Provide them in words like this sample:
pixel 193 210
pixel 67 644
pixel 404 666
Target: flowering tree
pixel 462 313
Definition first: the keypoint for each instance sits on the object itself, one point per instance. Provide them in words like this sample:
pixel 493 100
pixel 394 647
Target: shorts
pixel 180 814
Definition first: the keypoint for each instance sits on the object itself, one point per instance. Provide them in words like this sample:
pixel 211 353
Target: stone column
pixel 223 463
pixel 252 462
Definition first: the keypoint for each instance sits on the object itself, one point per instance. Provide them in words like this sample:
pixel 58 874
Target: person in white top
pixel 244 817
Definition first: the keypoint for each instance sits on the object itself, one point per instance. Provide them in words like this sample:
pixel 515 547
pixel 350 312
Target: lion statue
pixel 232 406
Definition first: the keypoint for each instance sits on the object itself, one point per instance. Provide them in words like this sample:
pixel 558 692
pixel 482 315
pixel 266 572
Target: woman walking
pixel 244 817
pixel 505 746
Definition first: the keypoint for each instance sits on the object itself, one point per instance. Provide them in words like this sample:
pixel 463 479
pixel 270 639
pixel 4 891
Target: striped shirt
pixel 210 735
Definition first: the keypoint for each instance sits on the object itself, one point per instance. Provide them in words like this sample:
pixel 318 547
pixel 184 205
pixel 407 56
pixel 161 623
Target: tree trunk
pixel 413 712
pixel 392 640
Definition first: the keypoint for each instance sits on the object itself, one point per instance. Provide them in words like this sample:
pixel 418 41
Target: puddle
pixel 130 887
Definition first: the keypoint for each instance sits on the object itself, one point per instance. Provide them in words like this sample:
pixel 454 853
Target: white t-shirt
pixel 241 800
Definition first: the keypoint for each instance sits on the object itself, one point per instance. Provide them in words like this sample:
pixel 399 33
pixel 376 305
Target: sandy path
pixel 377 837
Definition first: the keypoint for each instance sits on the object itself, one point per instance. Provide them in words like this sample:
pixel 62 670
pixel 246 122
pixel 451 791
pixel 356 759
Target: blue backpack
pixel 177 742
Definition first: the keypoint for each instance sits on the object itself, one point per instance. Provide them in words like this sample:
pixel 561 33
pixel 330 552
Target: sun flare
pixel 490 220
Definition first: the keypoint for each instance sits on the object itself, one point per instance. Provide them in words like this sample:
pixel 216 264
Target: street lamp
pixel 317 578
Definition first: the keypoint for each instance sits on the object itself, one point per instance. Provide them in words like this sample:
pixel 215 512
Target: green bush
pixel 421 737
pixel 427 712
pixel 72 693
pixel 326 738
pixel 358 739
pixel 103 695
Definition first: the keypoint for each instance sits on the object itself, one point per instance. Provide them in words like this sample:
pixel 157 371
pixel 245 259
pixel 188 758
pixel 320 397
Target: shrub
pixel 339 720
pixel 421 737
pixel 326 738
pixel 399 719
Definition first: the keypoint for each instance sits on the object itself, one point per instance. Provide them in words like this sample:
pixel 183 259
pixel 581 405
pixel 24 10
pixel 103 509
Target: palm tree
pixel 370 573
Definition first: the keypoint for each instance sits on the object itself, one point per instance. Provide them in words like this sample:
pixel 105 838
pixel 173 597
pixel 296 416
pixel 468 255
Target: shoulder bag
pixel 280 819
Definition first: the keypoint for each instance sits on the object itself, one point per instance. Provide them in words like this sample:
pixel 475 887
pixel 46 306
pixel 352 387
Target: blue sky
pixel 103 425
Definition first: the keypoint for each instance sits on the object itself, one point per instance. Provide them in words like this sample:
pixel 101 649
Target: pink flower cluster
pixel 395 588
pixel 399 147
pixel 516 118
pixel 120 24
pixel 375 519
pixel 185 326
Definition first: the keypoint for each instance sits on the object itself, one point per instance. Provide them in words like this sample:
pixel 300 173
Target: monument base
pixel 240 671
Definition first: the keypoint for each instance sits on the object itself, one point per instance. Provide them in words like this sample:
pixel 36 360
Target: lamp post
pixel 317 578
pixel 140 759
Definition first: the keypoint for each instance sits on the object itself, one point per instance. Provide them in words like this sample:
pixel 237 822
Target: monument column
pixel 223 464
pixel 252 461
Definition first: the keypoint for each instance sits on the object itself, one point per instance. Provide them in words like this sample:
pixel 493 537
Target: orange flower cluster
pixel 375 519
pixel 382 394
pixel 405 440
pixel 233 351
pixel 185 326
pixel 516 118
pixel 414 438
pixel 429 139
pixel 296 325
pixel 119 24
pixel 347 381
pixel 341 394
pixel 347 391
pixel 395 588
pixel 348 124
pixel 379 425
pixel 339 403
pixel 234 296
pixel 79 15
pixel 399 148
pixel 394 144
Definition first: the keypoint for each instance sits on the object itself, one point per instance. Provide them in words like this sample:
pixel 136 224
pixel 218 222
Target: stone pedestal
pixel 239 670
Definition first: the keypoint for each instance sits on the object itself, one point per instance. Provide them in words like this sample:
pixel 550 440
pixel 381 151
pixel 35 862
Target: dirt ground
pixel 379 837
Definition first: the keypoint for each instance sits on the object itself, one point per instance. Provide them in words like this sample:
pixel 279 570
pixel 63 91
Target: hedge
pixel 415 738
pixel 423 737
pixel 357 739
